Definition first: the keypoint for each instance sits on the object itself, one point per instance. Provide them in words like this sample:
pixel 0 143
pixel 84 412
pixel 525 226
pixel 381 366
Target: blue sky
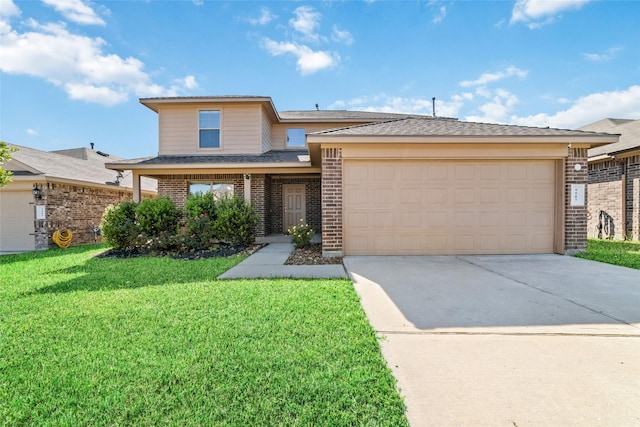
pixel 72 71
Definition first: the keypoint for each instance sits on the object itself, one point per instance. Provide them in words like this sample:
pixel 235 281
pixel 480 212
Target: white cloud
pixel 79 65
pixel 308 60
pixel 198 2
pixel 497 109
pixel 608 55
pixel 623 103
pixel 306 22
pixel 189 82
pixel 403 105
pixel 341 36
pixel 494 77
pixel 440 15
pixel 76 11
pixel 265 17
pixel 31 132
pixel 536 13
pixel 8 8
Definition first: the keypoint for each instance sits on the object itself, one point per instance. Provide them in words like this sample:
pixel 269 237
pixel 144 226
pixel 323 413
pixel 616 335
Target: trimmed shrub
pixel 158 216
pixel 235 220
pixel 199 211
pixel 118 225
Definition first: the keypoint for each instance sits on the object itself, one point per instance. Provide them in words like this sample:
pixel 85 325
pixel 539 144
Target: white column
pixel 137 191
pixel 247 188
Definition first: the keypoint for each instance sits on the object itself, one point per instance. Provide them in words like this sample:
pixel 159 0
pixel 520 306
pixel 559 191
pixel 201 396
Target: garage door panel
pixel 17 214
pixel 448 207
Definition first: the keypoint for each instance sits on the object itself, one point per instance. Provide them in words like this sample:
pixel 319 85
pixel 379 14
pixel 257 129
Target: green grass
pixel 158 341
pixel 624 253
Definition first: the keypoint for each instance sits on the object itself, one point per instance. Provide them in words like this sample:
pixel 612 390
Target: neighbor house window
pixel 209 125
pixel 295 138
pixel 218 189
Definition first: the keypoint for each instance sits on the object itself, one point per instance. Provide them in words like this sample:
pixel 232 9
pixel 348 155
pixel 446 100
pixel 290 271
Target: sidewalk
pixel 269 261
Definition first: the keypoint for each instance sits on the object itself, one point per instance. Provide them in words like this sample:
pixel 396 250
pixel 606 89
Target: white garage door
pixel 448 207
pixel 16 221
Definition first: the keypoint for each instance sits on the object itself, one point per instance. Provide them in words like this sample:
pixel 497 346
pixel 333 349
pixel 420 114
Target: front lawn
pixel 625 253
pixel 158 341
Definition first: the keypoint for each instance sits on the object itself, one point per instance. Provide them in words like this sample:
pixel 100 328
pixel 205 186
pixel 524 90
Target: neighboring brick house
pixel 614 182
pixel 378 183
pixel 73 190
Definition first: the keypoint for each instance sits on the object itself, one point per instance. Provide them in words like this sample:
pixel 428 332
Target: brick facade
pixel 331 202
pixel 266 195
pixel 614 199
pixel 76 208
pixel 605 211
pixel 575 221
pixel 176 187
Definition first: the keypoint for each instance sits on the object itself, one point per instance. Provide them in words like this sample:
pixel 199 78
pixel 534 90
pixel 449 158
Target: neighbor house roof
pixel 628 129
pixel 445 127
pixel 78 166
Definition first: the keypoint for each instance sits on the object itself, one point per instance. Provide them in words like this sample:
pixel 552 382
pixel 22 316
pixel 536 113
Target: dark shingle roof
pixel 447 127
pixel 273 156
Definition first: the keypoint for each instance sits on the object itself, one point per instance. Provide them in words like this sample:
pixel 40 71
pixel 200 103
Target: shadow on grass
pixel 108 274
pixel 49 253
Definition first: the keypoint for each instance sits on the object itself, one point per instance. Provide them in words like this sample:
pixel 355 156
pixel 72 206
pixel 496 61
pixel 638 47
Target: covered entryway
pixel 424 207
pixel 16 227
pixel 294 204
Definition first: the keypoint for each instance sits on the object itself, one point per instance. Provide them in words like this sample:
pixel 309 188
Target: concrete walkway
pixel 507 340
pixel 269 261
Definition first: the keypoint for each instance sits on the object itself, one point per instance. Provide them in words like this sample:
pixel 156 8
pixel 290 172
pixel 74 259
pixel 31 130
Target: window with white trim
pixel 296 138
pixel 209 127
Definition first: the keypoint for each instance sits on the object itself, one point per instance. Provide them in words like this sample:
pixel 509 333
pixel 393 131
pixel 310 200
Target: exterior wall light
pixel 37 193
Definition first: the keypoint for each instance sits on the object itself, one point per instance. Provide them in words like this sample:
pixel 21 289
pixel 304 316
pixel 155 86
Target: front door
pixel 294 202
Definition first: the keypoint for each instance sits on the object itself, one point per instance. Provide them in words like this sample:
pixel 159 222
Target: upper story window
pixel 209 125
pixel 296 138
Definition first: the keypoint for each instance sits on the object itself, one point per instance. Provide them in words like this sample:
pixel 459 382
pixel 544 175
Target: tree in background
pixel 5 155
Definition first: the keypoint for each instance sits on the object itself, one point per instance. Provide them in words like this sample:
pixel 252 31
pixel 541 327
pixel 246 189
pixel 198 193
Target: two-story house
pixel 378 183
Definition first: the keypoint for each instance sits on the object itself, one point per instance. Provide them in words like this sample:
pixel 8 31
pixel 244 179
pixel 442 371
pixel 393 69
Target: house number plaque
pixel 577 194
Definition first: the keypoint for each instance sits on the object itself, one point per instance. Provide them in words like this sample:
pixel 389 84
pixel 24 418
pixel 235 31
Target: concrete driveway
pixel 507 340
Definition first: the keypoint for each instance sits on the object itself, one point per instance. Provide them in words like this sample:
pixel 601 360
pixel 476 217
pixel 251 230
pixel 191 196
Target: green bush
pixel 118 225
pixel 199 210
pixel 157 216
pixel 235 220
pixel 301 234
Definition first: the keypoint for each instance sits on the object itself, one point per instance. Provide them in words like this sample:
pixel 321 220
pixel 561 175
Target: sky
pixel 72 71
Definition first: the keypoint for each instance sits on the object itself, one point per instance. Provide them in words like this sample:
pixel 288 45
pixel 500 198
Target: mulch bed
pixel 223 250
pixel 311 255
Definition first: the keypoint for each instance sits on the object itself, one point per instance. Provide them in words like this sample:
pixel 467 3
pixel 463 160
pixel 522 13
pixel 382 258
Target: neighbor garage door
pixel 448 207
pixel 16 221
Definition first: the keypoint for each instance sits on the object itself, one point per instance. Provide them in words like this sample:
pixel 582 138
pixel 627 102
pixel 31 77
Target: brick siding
pixel 176 187
pixel 331 202
pixel 76 208
pixel 575 222
pixel 604 205
pixel 609 180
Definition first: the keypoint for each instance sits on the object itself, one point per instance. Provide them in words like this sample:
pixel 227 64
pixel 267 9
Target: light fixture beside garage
pixel 37 193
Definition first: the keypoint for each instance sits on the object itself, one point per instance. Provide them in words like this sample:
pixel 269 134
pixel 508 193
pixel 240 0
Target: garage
pixel 17 212
pixel 434 207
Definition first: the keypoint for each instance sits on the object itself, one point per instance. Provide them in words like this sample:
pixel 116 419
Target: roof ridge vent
pixel 102 154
